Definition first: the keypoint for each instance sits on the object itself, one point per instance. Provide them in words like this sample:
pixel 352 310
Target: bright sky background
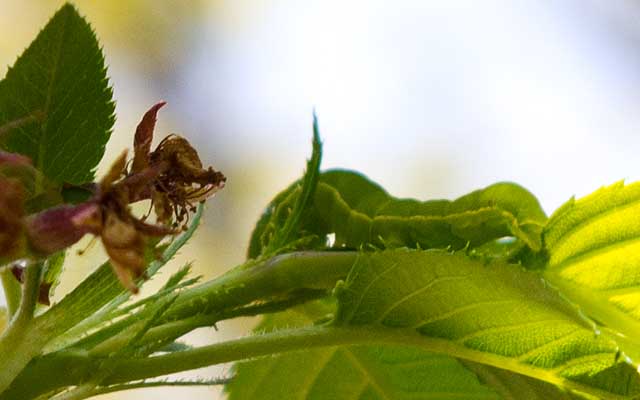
pixel 428 98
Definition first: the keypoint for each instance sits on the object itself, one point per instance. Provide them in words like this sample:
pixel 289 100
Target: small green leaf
pixel 128 315
pixel 58 88
pixel 594 259
pixel 53 267
pixel 494 314
pixel 286 232
pixel 360 213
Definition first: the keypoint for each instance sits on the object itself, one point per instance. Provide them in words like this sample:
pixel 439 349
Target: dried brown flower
pixel 172 177
pixel 181 181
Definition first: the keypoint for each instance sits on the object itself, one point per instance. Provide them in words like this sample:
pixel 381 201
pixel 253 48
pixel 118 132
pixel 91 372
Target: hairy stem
pixel 323 336
pixel 276 276
pixel 280 275
pixel 296 340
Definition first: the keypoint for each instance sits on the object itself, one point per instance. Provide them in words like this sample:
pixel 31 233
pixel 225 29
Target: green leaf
pixel 494 314
pixel 53 267
pixel 350 372
pixel 59 90
pixel 133 313
pixel 283 234
pixel 3 319
pixel 512 386
pixel 360 213
pixel 594 259
pixel 40 193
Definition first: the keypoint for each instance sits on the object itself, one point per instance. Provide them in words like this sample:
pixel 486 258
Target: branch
pixel 19 344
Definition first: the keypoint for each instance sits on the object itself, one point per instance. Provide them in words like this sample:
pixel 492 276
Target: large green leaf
pixel 58 89
pixel 494 314
pixel 351 372
pixel 360 213
pixel 594 259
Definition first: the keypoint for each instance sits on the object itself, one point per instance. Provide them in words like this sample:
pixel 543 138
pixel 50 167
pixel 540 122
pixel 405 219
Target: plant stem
pixel 243 285
pixel 12 293
pixel 276 276
pixel 78 393
pixel 19 344
pixel 288 341
pixel 283 274
pixel 323 336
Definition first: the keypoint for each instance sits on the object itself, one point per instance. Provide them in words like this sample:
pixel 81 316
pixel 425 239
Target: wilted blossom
pixel 172 177
pixel 181 180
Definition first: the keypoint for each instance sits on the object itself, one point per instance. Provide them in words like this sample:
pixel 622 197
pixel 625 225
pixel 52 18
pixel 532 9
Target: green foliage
pixel 500 313
pixel 95 306
pixel 53 268
pixel 92 302
pixel 362 215
pixel 594 259
pixel 56 101
pixel 282 235
pixel 510 386
pixel 346 372
pixel 3 318
pixel 366 295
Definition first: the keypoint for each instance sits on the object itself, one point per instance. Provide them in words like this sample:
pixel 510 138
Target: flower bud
pixel 13 159
pixel 11 212
pixel 58 228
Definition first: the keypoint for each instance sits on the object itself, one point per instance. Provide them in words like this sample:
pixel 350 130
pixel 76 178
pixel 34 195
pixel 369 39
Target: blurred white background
pixel 428 98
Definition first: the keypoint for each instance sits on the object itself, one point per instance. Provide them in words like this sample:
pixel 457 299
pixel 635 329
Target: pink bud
pixel 11 212
pixel 59 227
pixel 13 159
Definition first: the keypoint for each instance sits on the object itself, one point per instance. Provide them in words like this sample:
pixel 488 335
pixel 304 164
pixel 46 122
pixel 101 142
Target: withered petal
pixel 139 186
pixel 116 171
pixel 117 233
pixel 162 206
pixel 144 137
pixel 153 229
pixel 124 274
pixel 125 247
